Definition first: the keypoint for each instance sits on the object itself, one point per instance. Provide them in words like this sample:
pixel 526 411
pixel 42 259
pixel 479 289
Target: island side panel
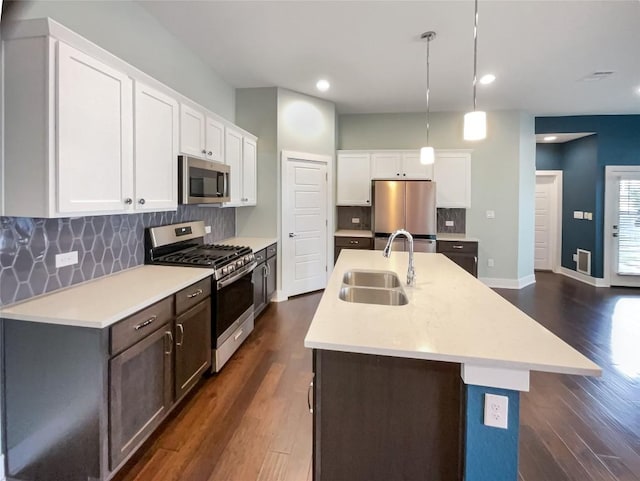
pixel 54 399
pixel 378 418
pixel 490 453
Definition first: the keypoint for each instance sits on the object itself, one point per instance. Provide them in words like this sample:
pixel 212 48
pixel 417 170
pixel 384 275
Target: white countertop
pixel 107 300
pixel 353 233
pixel 451 316
pixel 256 243
pixel 456 237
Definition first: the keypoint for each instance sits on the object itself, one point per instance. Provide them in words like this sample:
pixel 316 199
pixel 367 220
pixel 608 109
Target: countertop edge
pixel 426 356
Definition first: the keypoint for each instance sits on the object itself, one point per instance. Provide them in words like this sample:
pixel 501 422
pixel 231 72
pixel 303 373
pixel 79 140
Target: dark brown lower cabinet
pixel 264 278
pixel 463 253
pixel 351 243
pixel 381 418
pixel 193 346
pixel 141 392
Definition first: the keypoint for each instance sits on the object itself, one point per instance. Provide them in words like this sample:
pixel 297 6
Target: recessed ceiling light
pixel 550 138
pixel 487 79
pixel 323 85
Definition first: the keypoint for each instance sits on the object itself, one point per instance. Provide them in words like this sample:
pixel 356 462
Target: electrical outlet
pixel 578 214
pixel 66 259
pixel 588 215
pixel 491 214
pixel 449 223
pixel 496 411
pixel 355 220
pixel 575 257
pixel 207 229
pixel 490 263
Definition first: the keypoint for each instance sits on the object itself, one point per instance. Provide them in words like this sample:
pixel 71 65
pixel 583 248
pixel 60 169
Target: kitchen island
pixel 399 391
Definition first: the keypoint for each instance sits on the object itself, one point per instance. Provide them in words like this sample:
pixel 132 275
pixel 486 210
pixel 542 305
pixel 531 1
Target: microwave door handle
pixel 225 192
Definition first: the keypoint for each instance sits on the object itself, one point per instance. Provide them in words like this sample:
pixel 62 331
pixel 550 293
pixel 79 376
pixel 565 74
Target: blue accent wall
pixel 548 156
pixel 490 454
pixel 617 143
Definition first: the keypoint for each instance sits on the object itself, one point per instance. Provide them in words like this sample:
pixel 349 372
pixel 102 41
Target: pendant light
pixel 427 154
pixel 475 122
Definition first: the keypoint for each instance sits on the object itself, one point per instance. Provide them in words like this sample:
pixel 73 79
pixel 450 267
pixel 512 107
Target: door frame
pixel 610 174
pixel 285 256
pixel 555 236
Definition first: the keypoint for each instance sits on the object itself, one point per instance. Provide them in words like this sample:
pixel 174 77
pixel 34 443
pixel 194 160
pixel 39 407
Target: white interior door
pixel 624 198
pixel 543 252
pixel 305 227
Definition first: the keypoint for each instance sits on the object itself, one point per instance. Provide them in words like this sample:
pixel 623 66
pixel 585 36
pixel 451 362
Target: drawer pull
pixel 145 323
pixel 353 242
pixel 238 334
pixel 310 388
pixel 194 294
pixel 181 328
pixel 458 247
pixel 169 334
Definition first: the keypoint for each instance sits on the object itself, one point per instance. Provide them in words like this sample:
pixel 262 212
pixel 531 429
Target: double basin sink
pixel 373 287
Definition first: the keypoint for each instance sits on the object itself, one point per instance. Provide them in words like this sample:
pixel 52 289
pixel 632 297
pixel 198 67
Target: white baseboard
pixel 2 478
pixel 279 296
pixel 592 281
pixel 499 283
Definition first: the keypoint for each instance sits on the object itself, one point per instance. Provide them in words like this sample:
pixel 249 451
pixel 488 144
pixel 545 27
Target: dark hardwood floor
pixel 251 423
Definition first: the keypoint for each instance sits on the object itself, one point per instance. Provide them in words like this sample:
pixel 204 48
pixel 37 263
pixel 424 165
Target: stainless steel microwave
pixel 202 181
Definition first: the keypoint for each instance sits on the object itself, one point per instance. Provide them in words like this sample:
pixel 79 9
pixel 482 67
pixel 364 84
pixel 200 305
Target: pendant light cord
pixel 475 54
pixel 428 88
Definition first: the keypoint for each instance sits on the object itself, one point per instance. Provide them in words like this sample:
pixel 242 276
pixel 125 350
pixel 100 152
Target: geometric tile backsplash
pixel 105 244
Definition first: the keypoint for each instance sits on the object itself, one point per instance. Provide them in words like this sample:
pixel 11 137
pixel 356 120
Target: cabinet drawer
pixel 466 247
pixel 129 331
pixel 190 296
pixel 271 250
pixel 354 242
pixel 261 255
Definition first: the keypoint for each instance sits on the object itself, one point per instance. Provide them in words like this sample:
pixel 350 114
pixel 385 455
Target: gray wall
pixel 283 120
pixel 527 204
pixel 496 174
pixel 128 31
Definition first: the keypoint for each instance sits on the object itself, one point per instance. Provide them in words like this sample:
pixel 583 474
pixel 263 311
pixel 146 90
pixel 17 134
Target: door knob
pixel 615 234
pixel 291 234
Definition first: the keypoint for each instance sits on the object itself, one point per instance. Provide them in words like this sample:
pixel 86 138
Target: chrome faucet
pixel 411 272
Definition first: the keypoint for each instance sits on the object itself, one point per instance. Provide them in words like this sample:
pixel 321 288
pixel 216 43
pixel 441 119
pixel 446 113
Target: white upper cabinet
pixel 354 179
pixel 85 133
pixel 200 134
pixel 155 149
pixel 403 165
pixel 192 131
pixel 241 157
pixel 214 139
pixel 452 174
pixel 249 171
pixel 386 165
pixel 413 169
pixel 93 135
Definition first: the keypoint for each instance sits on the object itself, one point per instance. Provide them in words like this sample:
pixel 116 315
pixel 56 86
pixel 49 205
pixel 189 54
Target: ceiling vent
pixel 599 75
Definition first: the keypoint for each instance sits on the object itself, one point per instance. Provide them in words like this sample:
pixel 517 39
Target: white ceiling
pixel 371 52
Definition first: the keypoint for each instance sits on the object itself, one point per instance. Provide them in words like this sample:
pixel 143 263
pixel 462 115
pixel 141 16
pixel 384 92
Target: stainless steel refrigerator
pixel 409 205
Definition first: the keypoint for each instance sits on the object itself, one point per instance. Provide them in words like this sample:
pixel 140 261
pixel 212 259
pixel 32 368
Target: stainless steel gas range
pixel 232 288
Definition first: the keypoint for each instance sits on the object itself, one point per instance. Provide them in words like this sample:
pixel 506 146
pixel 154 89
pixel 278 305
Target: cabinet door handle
pixel 368 201
pixel 204 151
pixel 309 390
pixel 145 323
pixel 181 328
pixel 404 175
pixel 209 153
pixel 128 201
pixel 291 234
pixel 268 269
pixel 353 242
pixel 194 294
pixel 265 271
pixel 398 174
pixel 169 334
pixel 141 201
pixel 238 334
pixel 457 247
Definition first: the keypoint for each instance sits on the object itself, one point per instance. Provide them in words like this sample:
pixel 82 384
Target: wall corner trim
pixel 592 281
pixel 2 477
pixel 498 283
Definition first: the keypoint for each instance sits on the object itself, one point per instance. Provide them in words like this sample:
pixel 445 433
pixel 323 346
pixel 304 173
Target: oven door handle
pixel 237 275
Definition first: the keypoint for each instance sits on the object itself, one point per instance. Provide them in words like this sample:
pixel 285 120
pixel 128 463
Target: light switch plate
pixel 491 214
pixel 578 214
pixel 449 223
pixel 207 229
pixel 490 263
pixel 588 215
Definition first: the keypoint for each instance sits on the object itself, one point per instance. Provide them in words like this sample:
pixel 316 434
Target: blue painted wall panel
pixel 548 156
pixel 618 143
pixel 490 454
